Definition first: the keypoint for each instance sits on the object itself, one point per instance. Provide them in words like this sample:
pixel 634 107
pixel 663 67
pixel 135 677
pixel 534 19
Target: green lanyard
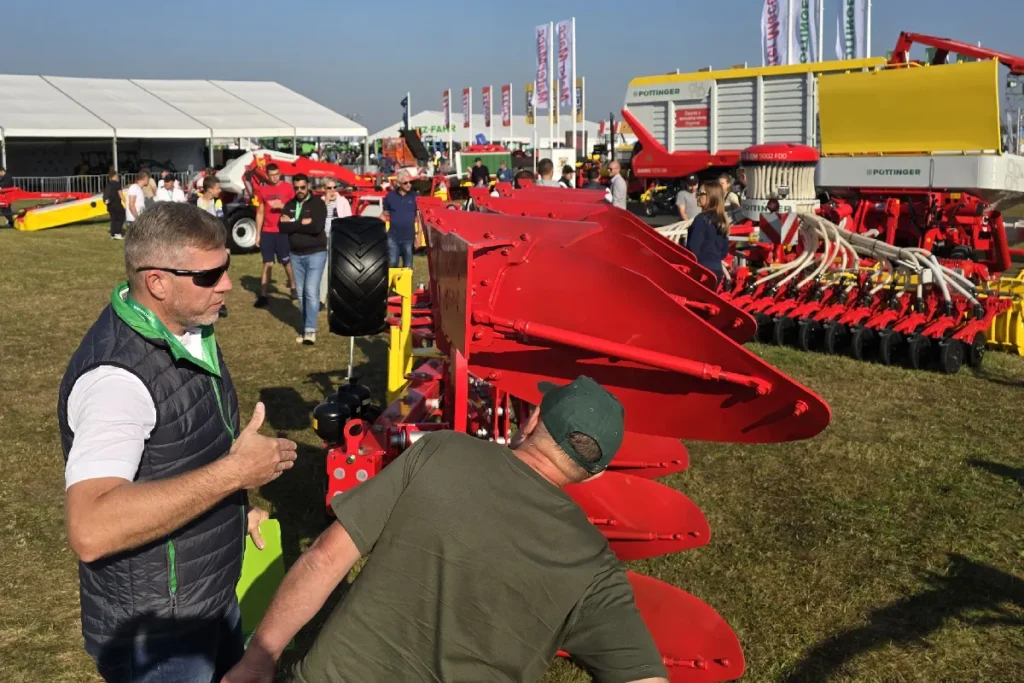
pixel 298 209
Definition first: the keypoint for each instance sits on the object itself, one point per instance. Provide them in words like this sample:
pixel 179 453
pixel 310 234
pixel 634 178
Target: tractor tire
pixel 357 287
pixel 862 342
pixel 951 356
pixel 890 347
pixel 808 336
pixel 241 225
pixel 836 337
pixel 919 351
pixel 783 330
pixel 975 352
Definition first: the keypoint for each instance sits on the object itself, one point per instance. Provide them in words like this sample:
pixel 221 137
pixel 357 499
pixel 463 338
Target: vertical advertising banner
pixel 851 29
pixel 579 100
pixel 807 31
pixel 467 107
pixel 446 108
pixel 542 38
pixel 775 31
pixel 506 105
pixel 486 94
pixel 563 43
pixel 529 104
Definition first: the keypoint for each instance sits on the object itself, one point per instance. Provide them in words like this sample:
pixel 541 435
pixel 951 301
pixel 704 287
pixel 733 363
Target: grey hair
pixel 163 231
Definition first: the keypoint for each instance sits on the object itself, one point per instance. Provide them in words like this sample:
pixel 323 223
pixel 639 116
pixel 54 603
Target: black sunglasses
pixel 201 278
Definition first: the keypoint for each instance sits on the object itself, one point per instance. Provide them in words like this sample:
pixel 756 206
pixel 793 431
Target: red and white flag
pixel 467 107
pixel 487 106
pixel 563 44
pixel 446 108
pixel 506 105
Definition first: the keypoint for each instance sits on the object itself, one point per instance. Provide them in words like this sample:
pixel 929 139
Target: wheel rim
pixel 917 351
pixel 889 348
pixel 977 351
pixel 951 356
pixel 244 233
pixel 808 331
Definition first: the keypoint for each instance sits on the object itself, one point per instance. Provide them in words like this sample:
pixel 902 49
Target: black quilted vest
pixel 191 574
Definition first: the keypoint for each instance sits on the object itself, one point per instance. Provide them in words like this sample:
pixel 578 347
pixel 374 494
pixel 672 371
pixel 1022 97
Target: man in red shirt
pixel 272 243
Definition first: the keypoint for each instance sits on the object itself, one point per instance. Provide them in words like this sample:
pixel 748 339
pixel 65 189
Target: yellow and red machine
pixel 889 242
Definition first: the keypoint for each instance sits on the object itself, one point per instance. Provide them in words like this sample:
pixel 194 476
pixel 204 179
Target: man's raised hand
pixel 260 459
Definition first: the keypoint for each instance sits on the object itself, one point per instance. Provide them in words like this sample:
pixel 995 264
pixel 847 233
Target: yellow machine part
pixel 56 215
pixel 1007 330
pixel 755 71
pixel 911 110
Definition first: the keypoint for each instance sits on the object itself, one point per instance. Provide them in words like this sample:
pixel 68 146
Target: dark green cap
pixel 583 406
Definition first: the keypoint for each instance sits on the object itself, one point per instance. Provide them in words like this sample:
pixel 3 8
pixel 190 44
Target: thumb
pixel 257 537
pixel 258 413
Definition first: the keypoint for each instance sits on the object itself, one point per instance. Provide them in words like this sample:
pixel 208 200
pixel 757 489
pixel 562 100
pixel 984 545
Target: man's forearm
pixel 303 592
pixel 131 515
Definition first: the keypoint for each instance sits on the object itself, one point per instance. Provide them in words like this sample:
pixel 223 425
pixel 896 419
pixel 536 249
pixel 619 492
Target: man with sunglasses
pixel 400 210
pixel 156 465
pixel 303 219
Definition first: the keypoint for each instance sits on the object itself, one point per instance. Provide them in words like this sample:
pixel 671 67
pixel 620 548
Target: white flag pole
pixel 451 134
pixel 572 86
pixel 867 31
pixel 789 34
pixel 821 30
pixel 511 120
pixel 552 102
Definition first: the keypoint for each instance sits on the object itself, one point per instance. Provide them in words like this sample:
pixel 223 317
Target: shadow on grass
pixel 279 303
pixel 969 586
pixel 286 409
pixel 1007 471
pixel 987 376
pixel 372 371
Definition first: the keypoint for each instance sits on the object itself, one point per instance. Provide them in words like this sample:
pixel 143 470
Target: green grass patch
pixel 889 548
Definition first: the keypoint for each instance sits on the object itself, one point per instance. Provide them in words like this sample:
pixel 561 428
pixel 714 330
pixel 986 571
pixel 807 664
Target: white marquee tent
pixel 104 108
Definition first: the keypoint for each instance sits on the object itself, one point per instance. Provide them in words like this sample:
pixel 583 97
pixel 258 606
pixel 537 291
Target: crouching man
pixel 156 467
pixel 480 566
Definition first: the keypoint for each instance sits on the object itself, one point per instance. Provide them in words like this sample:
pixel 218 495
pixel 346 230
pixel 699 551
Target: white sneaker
pixel 309 338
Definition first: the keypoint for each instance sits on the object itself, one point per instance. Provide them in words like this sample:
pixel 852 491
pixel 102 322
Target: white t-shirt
pixel 134 190
pixel 175 195
pixel 112 415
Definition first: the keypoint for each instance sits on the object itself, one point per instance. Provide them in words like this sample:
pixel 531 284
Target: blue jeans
pixel 403 247
pixel 308 269
pixel 201 653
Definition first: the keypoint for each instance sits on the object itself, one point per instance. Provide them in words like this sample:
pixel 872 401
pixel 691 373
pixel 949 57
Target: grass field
pixel 889 548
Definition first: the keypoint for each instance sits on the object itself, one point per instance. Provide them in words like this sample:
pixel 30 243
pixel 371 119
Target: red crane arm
pixel 943 46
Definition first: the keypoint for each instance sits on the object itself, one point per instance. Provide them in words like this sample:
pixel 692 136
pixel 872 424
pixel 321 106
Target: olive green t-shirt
pixel 478 570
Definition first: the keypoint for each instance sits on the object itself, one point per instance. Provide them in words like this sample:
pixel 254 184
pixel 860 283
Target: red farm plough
pixel 530 288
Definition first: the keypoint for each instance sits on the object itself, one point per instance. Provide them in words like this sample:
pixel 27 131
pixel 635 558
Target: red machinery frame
pixel 492 330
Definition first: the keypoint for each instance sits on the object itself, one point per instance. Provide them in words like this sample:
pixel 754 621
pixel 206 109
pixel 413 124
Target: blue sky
pixel 362 57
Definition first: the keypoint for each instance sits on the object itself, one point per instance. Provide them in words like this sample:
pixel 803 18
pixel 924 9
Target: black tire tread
pixel 357 288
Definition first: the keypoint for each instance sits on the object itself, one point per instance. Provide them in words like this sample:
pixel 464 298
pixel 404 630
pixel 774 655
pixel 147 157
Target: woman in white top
pixel 337 207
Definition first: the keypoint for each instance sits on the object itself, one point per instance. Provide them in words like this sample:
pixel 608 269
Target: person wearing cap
pixel 480 566
pixel 686 200
pixel 399 210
